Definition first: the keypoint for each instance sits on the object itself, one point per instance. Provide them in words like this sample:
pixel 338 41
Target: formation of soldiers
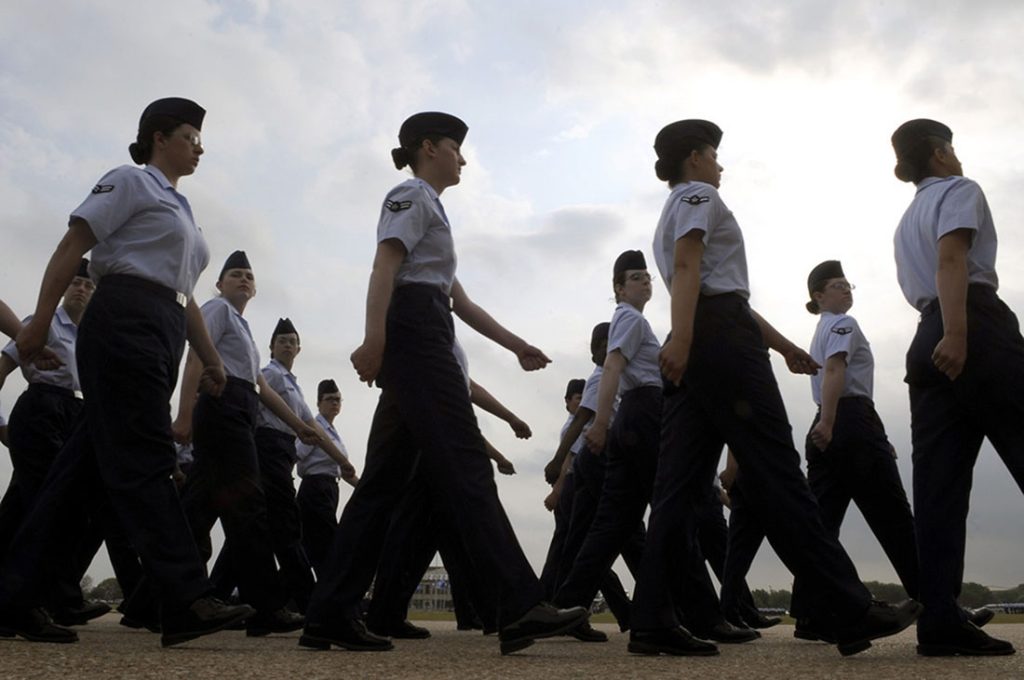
pixel 98 459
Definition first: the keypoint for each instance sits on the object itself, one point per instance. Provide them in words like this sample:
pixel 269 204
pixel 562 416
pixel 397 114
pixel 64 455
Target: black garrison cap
pixel 420 125
pixel 283 327
pixel 83 268
pixel 631 259
pixel 672 136
pixel 185 110
pixel 236 260
pixel 326 387
pixel 909 135
pixel 829 269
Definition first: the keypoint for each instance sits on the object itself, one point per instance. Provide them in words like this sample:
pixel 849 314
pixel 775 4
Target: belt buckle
pixel 181 299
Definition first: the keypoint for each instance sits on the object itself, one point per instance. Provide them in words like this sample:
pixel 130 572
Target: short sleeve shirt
pixel 696 206
pixel 313 460
pixel 61 339
pixel 591 390
pixel 413 214
pixel 631 335
pixel 231 336
pixel 144 228
pixel 940 206
pixel 837 334
pixel 282 381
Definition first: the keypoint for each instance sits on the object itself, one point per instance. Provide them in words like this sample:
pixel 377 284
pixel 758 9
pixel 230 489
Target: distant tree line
pixel 971 595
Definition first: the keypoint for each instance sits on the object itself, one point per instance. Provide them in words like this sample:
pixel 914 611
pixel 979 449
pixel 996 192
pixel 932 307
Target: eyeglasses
pixel 640 276
pixel 193 138
pixel 337 399
pixel 841 286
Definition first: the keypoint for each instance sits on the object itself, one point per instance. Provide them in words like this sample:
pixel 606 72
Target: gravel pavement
pixel 108 650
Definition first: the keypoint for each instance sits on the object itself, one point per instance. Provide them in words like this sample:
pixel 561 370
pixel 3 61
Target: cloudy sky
pixel 563 101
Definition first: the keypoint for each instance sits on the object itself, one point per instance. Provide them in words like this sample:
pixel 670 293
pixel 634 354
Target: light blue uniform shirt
pixel 61 339
pixel 313 460
pixel 413 214
pixel 839 333
pixel 591 391
pixel 144 228
pixel 632 336
pixel 942 205
pixel 232 338
pixel 283 381
pixel 697 206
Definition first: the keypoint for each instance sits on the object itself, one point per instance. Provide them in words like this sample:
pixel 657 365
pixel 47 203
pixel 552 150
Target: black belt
pixel 129 281
pixel 54 389
pixel 975 291
pixel 239 382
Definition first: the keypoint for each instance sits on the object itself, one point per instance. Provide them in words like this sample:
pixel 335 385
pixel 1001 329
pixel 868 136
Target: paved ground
pixel 108 651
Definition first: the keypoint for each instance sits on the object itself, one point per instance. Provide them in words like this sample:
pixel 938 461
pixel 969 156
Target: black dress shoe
pixel 980 616
pixel 403 630
pixel 542 621
pixel 204 616
pixel 726 633
pixel 965 640
pixel 587 633
pixel 674 641
pixel 150 624
pixel 283 620
pixel 351 635
pixel 80 615
pixel 35 625
pixel 806 629
pixel 760 621
pixel 881 620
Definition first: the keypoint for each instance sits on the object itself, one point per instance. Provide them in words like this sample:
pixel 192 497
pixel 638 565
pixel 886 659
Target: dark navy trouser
pixel 948 420
pixel 130 344
pixel 224 483
pixel 424 409
pixel 729 396
pixel 858 466
pixel 317 499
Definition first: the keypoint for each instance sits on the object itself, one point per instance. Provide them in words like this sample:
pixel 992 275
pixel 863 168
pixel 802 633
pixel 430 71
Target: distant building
pixel 434 592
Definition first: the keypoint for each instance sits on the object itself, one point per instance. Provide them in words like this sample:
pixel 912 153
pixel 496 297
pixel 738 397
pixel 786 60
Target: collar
pixel 429 189
pixel 928 181
pixel 64 319
pixel 158 176
pixel 277 364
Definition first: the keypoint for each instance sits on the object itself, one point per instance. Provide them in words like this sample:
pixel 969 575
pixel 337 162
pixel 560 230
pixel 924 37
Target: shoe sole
pixel 169 640
pixel 654 650
pixel 323 644
pixel 955 650
pixel 517 644
pixel 857 646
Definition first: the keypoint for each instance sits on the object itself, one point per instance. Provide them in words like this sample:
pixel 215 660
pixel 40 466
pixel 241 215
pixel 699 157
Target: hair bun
pixel 662 170
pixel 903 171
pixel 137 153
pixel 812 307
pixel 400 156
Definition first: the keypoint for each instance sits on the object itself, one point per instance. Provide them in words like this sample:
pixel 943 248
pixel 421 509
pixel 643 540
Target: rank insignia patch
pixel 842 331
pixel 103 188
pixel 696 200
pixel 397 206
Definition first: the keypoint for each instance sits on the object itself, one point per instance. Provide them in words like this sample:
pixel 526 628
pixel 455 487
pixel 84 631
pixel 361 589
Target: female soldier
pixel 728 394
pixel 630 369
pixel 849 456
pixel 424 407
pixel 224 481
pixel 965 367
pixel 147 254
